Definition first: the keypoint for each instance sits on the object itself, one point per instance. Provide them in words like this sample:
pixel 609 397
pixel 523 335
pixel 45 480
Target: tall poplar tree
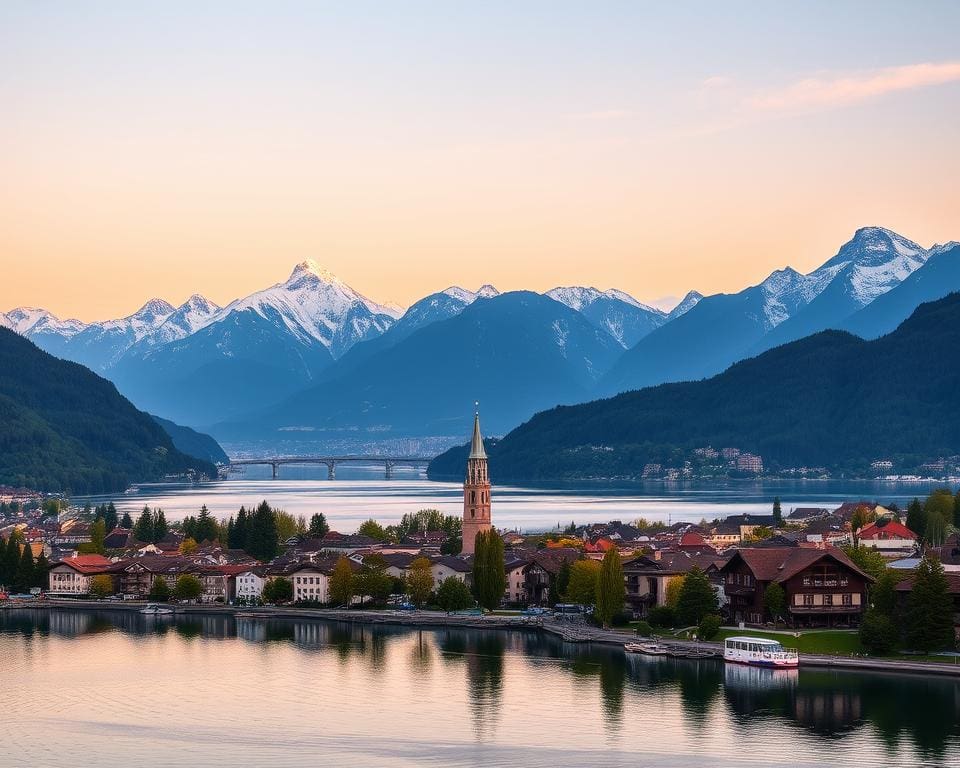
pixel 611 590
pixel 489 572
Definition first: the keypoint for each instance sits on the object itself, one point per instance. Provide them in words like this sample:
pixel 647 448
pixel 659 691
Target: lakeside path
pixel 568 631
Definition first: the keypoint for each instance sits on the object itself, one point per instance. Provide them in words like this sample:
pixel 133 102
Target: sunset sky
pixel 169 148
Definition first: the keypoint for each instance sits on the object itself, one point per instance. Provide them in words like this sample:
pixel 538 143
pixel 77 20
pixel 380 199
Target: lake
pixel 359 493
pixel 109 688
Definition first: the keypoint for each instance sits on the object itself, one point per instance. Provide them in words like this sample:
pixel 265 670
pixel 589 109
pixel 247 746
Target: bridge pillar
pixel 276 470
pixel 388 469
pixel 331 470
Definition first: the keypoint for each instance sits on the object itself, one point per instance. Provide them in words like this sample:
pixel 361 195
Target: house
pixel 347 545
pixel 445 566
pixel 311 581
pixel 823 587
pixel 516 589
pixel 73 575
pixel 734 529
pixel 119 538
pixel 648 577
pixel 847 509
pixel 803 514
pixel 248 584
pixel 888 536
pixel 693 541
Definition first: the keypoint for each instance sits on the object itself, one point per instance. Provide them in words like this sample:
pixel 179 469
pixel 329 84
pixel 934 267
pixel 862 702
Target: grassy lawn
pixel 833 642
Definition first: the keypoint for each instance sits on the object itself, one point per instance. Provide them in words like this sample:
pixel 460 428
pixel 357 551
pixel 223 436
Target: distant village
pixel 821 563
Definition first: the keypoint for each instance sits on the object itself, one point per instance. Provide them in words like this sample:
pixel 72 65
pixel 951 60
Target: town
pixel 893 574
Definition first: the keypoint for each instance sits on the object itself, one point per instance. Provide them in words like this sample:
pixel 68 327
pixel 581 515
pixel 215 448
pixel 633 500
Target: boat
pixel 759 652
pixel 650 649
pixel 152 609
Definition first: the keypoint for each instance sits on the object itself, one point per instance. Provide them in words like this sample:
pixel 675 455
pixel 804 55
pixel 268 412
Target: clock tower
pixel 476 491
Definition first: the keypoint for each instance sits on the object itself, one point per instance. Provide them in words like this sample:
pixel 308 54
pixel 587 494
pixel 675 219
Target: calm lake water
pixel 117 689
pixel 360 493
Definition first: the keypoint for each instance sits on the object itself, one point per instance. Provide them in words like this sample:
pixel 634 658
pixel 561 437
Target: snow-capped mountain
pixel 687 303
pixel 613 311
pixel 26 320
pixel 188 318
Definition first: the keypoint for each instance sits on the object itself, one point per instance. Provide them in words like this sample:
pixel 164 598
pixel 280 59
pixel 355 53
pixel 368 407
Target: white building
pixel 73 576
pixel 310 583
pixel 248 585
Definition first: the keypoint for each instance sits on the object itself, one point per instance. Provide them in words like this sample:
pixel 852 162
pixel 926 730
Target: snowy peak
pixel 487 291
pixel 580 298
pixel 311 270
pixel 468 297
pixel 687 303
pixel 188 318
pixel 29 320
pixel 154 312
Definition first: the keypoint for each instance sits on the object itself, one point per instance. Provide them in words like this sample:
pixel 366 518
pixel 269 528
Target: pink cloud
pixel 835 91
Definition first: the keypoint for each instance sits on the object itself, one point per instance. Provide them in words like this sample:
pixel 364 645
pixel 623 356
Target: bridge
pixel 389 462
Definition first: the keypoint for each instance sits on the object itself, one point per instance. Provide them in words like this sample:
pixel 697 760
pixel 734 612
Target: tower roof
pixel 476 443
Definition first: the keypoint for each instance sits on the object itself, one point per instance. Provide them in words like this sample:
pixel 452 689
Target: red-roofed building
pixel 823 586
pixel 72 576
pixel 693 541
pixel 888 536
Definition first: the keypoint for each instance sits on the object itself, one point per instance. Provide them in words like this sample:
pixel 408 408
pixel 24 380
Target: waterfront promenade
pixel 566 630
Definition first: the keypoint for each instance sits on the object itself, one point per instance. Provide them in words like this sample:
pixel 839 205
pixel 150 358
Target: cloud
pixel 829 91
pixel 716 82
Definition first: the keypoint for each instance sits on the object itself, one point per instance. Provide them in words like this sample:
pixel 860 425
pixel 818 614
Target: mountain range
pixel 311 357
pixel 828 400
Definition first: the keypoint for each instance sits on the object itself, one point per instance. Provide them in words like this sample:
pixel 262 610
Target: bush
pixel 878 634
pixel 662 616
pixel 622 618
pixel 644 629
pixel 709 627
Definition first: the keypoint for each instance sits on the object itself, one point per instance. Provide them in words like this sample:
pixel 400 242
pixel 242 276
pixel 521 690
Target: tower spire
pixel 476 443
pixel 476 490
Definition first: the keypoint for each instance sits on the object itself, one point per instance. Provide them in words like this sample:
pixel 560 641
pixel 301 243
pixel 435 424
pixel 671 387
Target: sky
pixel 170 148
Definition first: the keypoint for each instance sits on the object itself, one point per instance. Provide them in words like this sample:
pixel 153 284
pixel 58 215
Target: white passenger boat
pixel 759 652
pixel 152 609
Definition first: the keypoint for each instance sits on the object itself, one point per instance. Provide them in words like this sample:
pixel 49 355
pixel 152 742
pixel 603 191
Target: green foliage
pixel 582 584
pixel 143 528
pixel 878 633
pixel 262 542
pixel 672 596
pixel 775 601
pixel 97 534
pixel 374 530
pixel 928 620
pixel 126 521
pixel 426 520
pixel 867 559
pixel 318 526
pixel 454 595
pixel 287 525
pixel 24 577
pixel 159 590
pixel 489 574
pixel 40 571
pixel 452 546
pixel 10 560
pixel 420 581
pixel 709 627
pixel 101 586
pixel 644 629
pixel 278 591
pixel 372 580
pixel 697 598
pixel 883 593
pixel 341 583
pixel 777 512
pixel 662 616
pixel 188 587
pixel 160 527
pixel 62 428
pixel 611 589
pixel 916 519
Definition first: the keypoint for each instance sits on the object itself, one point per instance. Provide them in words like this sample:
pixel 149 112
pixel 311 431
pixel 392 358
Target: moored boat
pixel 650 649
pixel 759 652
pixel 152 609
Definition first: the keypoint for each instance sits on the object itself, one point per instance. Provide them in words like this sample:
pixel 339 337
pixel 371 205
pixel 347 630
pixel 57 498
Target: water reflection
pixel 497 683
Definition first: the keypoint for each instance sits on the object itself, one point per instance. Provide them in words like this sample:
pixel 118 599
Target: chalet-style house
pixel 73 575
pixel 648 576
pixel 823 586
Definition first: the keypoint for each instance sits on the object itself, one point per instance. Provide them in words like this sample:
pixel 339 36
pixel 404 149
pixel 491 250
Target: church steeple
pixel 476 491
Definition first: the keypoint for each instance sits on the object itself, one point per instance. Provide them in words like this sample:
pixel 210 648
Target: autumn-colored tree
pixel 673 591
pixel 341 582
pixel 188 546
pixel 582 587
pixel 101 586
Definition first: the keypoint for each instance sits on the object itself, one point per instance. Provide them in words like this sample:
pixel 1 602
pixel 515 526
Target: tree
pixel 452 546
pixel 23 580
pixel 318 526
pixel 341 583
pixel 420 581
pixel 611 590
pixel 916 519
pixel 40 571
pixel 188 587
pixel 110 519
pixel 278 591
pixel 287 526
pixel 126 521
pixel 582 586
pixel 560 583
pixel 160 528
pixel 454 595
pixel 237 534
pixel 489 573
pixel 373 580
pixel 374 530
pixel 672 596
pixel 775 601
pixel 101 586
pixel 883 594
pixel 262 533
pixel 697 598
pixel 857 520
pixel 777 513
pixel 709 627
pixel 159 590
pixel 207 527
pixel 98 532
pixel 188 546
pixel 11 559
pixel 867 559
pixel 878 633
pixel 928 620
pixel 143 529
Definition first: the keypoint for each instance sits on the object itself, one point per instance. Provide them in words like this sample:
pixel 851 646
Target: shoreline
pixel 571 633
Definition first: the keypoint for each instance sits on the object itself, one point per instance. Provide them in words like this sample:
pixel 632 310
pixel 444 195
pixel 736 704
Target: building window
pixel 847 599
pixel 828 599
pixel 808 601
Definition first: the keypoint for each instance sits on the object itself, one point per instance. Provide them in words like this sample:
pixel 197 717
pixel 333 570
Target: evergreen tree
pixel 126 521
pixel 489 573
pixel 143 529
pixel 697 598
pixel 777 513
pixel 278 590
pixel 453 595
pixel 3 562
pixel 611 590
pixel 160 528
pixel 25 576
pixel 239 538
pixel 188 587
pixel 883 594
pixel 262 533
pixel 40 571
pixel 207 527
pixel 916 519
pixel 11 560
pixel 318 526
pixel 420 581
pixel 98 532
pixel 775 601
pixel 159 590
pixel 929 615
pixel 110 518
